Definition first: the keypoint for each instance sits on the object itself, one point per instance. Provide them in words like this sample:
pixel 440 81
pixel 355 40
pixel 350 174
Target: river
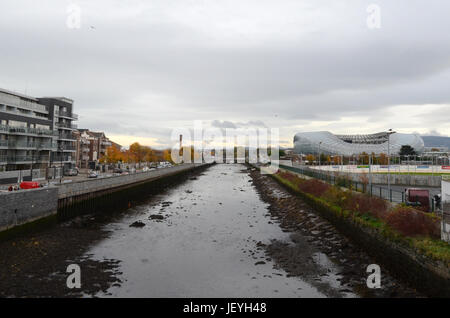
pixel 214 236
pixel 206 245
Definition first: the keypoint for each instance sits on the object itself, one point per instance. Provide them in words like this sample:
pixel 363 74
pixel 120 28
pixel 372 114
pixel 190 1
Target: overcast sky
pixel 138 69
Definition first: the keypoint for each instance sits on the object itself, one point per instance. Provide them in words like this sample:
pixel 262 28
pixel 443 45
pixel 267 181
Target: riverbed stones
pixel 156 217
pixel 137 224
pixel 349 263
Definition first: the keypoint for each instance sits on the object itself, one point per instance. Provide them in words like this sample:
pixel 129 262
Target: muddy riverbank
pixel 315 240
pixel 223 232
pixel 34 264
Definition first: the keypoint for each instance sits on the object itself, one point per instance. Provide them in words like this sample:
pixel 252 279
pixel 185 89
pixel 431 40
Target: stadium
pixel 324 142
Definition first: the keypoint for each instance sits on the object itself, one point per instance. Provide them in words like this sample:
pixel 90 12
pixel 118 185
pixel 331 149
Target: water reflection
pixel 200 239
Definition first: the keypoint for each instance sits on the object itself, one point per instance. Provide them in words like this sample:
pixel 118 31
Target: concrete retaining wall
pixel 396 179
pixel 20 207
pixel 94 185
pixel 25 206
pixel 430 276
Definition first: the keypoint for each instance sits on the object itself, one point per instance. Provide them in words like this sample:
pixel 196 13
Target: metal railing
pixel 66 136
pixel 28 144
pixel 33 106
pixel 27 130
pixel 343 181
pixel 15 159
pixel 67 147
pixel 57 158
pixel 68 114
pixel 66 125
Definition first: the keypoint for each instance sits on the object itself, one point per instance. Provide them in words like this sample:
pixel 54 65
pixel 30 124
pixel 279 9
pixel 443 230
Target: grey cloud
pixel 150 65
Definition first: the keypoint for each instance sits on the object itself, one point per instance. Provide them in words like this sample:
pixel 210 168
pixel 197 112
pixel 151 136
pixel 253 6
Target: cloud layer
pixel 141 69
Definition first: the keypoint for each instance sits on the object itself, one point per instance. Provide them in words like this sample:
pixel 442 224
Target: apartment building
pixel 36 132
pixel 91 146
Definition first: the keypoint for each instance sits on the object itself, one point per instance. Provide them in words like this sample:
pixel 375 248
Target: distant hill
pixel 436 141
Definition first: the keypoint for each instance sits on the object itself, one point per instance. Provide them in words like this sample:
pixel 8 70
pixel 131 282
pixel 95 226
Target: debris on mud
pixel 317 252
pixel 156 217
pixel 137 224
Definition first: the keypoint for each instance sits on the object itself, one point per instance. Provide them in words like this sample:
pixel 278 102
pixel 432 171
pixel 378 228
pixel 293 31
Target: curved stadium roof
pixel 348 145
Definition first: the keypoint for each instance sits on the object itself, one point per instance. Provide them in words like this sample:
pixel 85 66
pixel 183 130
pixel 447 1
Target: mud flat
pixel 317 240
pixel 34 263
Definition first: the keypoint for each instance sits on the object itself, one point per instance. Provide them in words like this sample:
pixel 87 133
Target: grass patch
pixel 389 222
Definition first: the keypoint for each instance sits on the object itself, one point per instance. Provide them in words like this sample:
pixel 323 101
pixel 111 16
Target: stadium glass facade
pixel 327 143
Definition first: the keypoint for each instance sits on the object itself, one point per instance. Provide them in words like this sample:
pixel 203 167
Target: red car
pixel 29 185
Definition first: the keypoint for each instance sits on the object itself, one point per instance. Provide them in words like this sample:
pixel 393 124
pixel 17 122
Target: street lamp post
pixel 32 161
pixel 370 174
pixel 319 154
pixel 60 148
pixel 389 161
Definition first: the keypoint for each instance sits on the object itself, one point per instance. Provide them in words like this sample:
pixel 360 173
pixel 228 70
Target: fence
pixel 392 195
pixel 445 227
pixel 16 176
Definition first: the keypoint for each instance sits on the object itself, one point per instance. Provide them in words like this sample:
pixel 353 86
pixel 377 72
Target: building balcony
pixel 66 136
pixel 67 115
pixel 12 144
pixel 66 126
pixel 63 158
pixel 67 148
pixel 33 106
pixel 26 113
pixel 26 131
pixel 27 159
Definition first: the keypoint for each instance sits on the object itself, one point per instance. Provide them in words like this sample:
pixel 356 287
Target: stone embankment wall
pixel 429 275
pixel 20 207
pixel 95 185
pixel 26 206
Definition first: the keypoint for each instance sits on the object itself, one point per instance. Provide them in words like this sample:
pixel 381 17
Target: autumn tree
pixel 137 152
pixel 364 158
pixel 310 158
pixel 113 155
pixel 383 159
pixel 167 155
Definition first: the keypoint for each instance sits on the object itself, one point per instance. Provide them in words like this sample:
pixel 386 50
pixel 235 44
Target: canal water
pixel 206 245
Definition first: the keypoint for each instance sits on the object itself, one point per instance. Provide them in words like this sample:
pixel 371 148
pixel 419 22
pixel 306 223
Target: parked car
pixel 118 170
pixel 92 174
pixel 71 172
pixel 29 185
